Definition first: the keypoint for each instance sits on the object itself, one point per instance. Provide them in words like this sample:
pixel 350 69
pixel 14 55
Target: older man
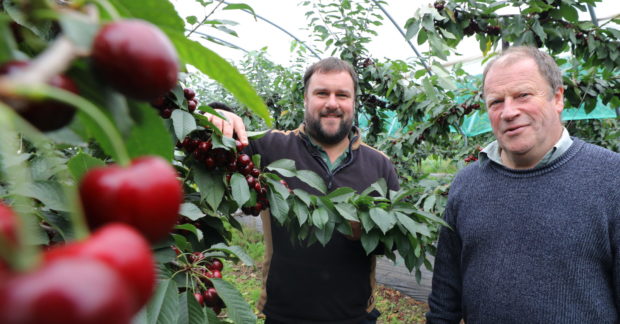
pixel 535 224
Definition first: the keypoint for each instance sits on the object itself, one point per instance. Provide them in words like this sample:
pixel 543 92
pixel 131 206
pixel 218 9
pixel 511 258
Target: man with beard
pixel 316 284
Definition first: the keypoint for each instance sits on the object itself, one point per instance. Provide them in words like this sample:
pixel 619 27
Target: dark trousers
pixel 371 318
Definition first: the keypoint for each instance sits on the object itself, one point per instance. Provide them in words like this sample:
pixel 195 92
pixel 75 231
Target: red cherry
pixel 210 163
pixel 189 94
pixel 251 181
pixel 244 159
pixel 257 187
pixel 191 105
pixel 8 224
pixel 66 291
pixel 124 250
pixel 255 172
pixel 145 195
pixel 136 58
pixel 199 299
pixel 47 115
pixel 239 145
pixel 215 264
pixel 165 113
pixel 204 146
pixel 211 297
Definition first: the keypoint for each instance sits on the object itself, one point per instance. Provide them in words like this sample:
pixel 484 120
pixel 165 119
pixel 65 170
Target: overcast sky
pixel 288 14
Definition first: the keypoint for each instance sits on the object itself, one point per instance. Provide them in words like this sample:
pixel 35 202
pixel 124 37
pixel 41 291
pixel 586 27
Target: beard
pixel 316 131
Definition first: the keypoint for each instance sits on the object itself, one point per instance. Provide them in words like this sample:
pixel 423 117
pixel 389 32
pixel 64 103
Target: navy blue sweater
pixel 532 246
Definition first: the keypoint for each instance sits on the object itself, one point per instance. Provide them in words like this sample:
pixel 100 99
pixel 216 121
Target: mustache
pixel 327 112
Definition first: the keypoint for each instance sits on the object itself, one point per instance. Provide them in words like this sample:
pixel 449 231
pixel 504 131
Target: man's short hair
pixel 330 64
pixel 546 65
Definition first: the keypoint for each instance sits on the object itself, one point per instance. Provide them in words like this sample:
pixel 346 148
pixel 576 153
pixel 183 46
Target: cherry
pixel 124 250
pixel 146 195
pixel 255 172
pixel 199 299
pixel 244 159
pixel 257 186
pixel 210 163
pixel 66 291
pixel 46 115
pixel 136 58
pixel 189 94
pixel 8 224
pixel 204 146
pixel 166 113
pixel 251 181
pixel 215 264
pixel 239 145
pixel 191 105
pixel 211 297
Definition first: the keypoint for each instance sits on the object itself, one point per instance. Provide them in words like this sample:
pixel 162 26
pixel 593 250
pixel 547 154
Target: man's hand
pixel 233 124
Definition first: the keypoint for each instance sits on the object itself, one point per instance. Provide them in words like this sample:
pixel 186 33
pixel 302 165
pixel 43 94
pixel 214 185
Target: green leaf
pixel 8 47
pixel 347 211
pixel 380 186
pixel 238 309
pixel 234 250
pixel 569 13
pixel 191 20
pixel 411 225
pixel 367 223
pixel 300 210
pixel 278 187
pixel 82 162
pixel 163 308
pixel 384 220
pixel 240 189
pixel 341 194
pixel 320 217
pixel 323 235
pixel 191 211
pixel 190 312
pixel 278 206
pixel 183 123
pixel 370 241
pixel 190 228
pixel 211 186
pixel 284 167
pixel 50 193
pixel 149 135
pixel 303 196
pixel 254 135
pixel 160 13
pixel 312 179
pixel 221 71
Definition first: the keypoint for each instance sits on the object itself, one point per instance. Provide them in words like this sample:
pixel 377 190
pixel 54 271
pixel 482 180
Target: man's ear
pixel 558 100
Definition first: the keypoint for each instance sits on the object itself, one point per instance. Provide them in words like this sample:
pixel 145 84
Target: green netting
pixel 478 122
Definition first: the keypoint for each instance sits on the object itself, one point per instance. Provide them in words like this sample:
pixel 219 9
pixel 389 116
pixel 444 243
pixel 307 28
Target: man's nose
pixel 332 101
pixel 510 110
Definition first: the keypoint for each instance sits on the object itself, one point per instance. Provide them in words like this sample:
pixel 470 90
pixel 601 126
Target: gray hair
pixel 546 65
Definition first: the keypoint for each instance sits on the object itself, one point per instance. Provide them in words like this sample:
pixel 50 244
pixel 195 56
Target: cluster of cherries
pixel 166 105
pixel 230 162
pixel 203 269
pixel 473 157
